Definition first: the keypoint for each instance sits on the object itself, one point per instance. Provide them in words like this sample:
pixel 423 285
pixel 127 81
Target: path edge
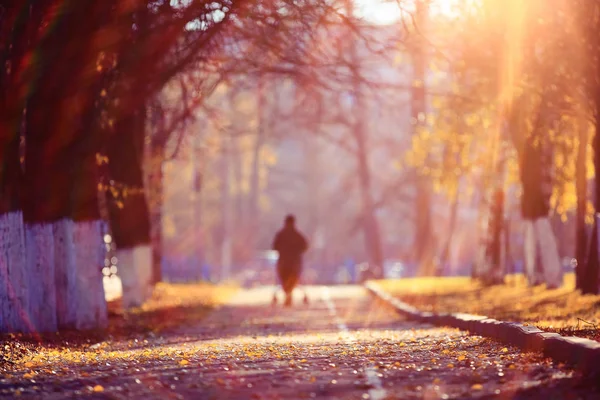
pixel 583 354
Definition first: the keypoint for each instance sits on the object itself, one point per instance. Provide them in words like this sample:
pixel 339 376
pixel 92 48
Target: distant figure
pixel 291 245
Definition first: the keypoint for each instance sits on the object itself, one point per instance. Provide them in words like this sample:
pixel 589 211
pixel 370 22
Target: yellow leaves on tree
pixel 453 149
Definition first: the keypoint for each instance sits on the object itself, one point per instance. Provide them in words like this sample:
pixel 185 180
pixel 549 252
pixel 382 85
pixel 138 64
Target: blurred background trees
pixel 425 137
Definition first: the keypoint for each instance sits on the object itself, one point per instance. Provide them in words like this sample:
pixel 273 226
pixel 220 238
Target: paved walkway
pixel 343 345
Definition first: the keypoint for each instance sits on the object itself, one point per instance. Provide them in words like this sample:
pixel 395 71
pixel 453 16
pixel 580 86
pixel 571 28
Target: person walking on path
pixel 291 245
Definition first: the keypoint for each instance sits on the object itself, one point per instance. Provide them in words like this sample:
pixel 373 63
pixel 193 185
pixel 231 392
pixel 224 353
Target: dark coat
pixel 290 244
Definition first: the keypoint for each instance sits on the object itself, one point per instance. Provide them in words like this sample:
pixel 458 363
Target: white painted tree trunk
pixel 131 296
pixel 90 310
pixel 64 273
pixel 553 275
pixel 480 262
pixel 14 297
pixel 135 270
pixel 143 265
pixel 530 252
pixel 539 237
pixel 39 243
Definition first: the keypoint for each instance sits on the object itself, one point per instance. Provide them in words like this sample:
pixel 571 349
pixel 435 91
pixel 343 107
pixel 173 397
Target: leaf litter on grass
pixel 563 310
pixel 171 306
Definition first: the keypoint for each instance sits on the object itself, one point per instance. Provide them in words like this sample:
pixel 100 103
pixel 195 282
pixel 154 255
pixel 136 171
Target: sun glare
pixel 378 11
pixel 385 12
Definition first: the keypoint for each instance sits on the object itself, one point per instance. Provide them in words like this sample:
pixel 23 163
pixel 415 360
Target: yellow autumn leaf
pixel 460 358
pixel 27 375
pixel 184 362
pixel 505 350
pixel 477 386
pixel 98 388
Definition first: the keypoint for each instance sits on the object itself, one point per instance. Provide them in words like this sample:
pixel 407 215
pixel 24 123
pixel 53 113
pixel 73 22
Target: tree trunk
pixel 65 274
pixel 479 262
pixel 508 260
pixel 48 171
pixel 370 224
pixel 226 211
pixel 371 229
pixel 591 272
pixel 423 230
pixel 589 277
pixel 60 189
pixel 88 242
pixel 199 171
pixel 13 279
pixel 14 296
pixel 446 252
pixel 39 241
pixel 496 275
pixel 254 211
pixel 529 248
pixel 581 189
pixel 548 248
pixel 240 207
pixel 89 257
pixel 535 206
pixel 156 200
pixel 14 282
pixel 128 208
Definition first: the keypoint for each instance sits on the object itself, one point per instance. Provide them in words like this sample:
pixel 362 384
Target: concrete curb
pixel 583 354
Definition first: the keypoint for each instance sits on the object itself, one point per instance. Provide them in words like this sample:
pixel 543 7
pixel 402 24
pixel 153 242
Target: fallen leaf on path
pixel 98 388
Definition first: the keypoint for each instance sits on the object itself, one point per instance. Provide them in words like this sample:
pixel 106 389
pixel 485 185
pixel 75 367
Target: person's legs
pixel 283 273
pixel 289 276
pixel 288 287
pixel 290 281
